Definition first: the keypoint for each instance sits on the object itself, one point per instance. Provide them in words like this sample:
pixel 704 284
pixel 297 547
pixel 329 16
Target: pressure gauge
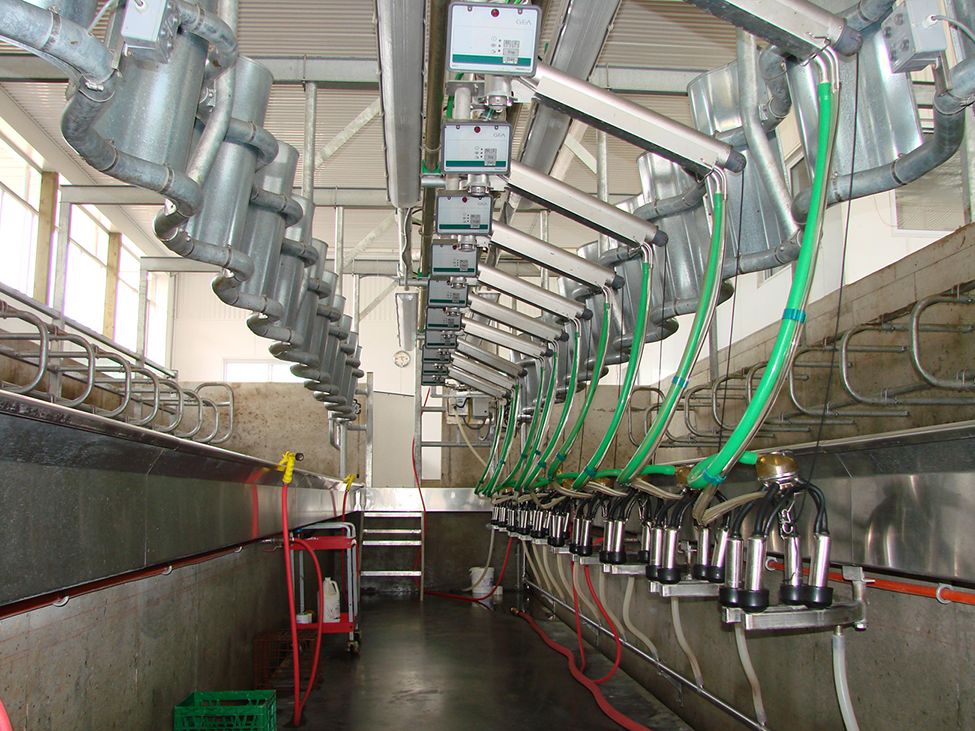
pixel 401 358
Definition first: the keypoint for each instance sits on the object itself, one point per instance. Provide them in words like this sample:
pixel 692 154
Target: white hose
pixel 539 577
pixel 840 681
pixel 601 591
pixel 487 563
pixel 682 641
pixel 629 624
pixel 563 577
pixel 543 564
pixel 463 433
pixel 746 665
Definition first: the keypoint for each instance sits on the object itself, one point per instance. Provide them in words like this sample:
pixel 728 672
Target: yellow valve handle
pixel 348 481
pixel 287 465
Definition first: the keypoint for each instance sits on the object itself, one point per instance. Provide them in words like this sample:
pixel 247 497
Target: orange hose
pixel 900 587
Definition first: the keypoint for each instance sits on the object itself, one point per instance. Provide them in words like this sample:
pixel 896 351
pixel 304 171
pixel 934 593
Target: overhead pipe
pixel 771 174
pixel 433 121
pixel 400 36
pixel 801 27
pixel 949 131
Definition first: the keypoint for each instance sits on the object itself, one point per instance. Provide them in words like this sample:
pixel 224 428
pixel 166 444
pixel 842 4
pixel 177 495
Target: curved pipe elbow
pixel 248 133
pixel 287 206
pixel 194 19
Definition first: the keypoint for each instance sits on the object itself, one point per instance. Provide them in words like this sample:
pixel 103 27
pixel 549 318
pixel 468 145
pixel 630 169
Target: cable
pixel 626 619
pixel 616 634
pixel 839 302
pixel 746 665
pixel 604 705
pixel 955 24
pixel 682 641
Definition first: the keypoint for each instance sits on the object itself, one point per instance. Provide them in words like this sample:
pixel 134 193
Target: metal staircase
pixel 377 535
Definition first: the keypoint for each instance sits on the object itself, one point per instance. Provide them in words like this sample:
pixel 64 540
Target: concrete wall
pixel 914 667
pixel 121 658
pixel 273 418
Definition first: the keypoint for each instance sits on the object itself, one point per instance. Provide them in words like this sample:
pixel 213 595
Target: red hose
pixel 318 638
pixel 478 600
pixel 291 600
pixel 4 719
pixel 604 706
pixel 616 634
pixel 299 703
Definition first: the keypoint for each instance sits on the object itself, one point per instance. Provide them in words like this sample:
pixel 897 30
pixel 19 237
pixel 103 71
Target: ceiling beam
pixel 327 72
pixel 363 73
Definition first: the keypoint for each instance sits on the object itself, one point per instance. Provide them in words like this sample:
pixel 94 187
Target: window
pixel 84 283
pixel 157 318
pixel 258 371
pixel 19 195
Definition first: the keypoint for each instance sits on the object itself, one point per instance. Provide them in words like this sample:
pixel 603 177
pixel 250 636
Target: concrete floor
pixel 449 665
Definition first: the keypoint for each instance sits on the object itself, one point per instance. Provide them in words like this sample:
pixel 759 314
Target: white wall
pixel 207 333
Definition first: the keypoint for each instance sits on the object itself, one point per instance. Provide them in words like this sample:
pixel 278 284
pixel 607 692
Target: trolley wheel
pixel 357 636
pixel 354 647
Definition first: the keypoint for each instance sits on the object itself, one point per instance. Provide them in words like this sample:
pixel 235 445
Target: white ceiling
pixel 654 34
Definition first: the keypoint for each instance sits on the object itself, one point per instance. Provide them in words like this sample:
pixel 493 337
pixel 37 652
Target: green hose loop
pixel 632 366
pixel 533 427
pixel 702 321
pixel 508 434
pixel 710 472
pixel 502 415
pixel 590 392
pixel 542 422
pixel 563 417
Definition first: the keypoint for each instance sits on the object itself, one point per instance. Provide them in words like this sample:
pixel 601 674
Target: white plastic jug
pixel 330 601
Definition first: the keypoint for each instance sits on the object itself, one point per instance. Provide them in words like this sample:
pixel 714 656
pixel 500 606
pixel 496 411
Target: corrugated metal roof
pixel 658 33
pixel 671 35
pixel 300 28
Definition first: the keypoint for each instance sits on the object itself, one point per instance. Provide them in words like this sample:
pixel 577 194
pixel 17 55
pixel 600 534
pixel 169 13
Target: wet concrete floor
pixel 446 665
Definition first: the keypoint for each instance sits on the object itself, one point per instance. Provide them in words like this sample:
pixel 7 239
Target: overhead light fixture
pixel 514 319
pixel 526 347
pixel 476 383
pixel 609 112
pixel 532 294
pixel 490 359
pixel 400 31
pixel 582 207
pixel 502 380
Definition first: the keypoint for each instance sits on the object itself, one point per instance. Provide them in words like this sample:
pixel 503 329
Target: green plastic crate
pixel 242 710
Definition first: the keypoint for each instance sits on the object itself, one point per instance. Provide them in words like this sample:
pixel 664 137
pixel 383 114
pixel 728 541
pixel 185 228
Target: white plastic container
pixel 485 585
pixel 330 602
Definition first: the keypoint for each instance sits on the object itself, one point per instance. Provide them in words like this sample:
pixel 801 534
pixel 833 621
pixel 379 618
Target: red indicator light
pixel 477 129
pixel 495 13
pixel 464 199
